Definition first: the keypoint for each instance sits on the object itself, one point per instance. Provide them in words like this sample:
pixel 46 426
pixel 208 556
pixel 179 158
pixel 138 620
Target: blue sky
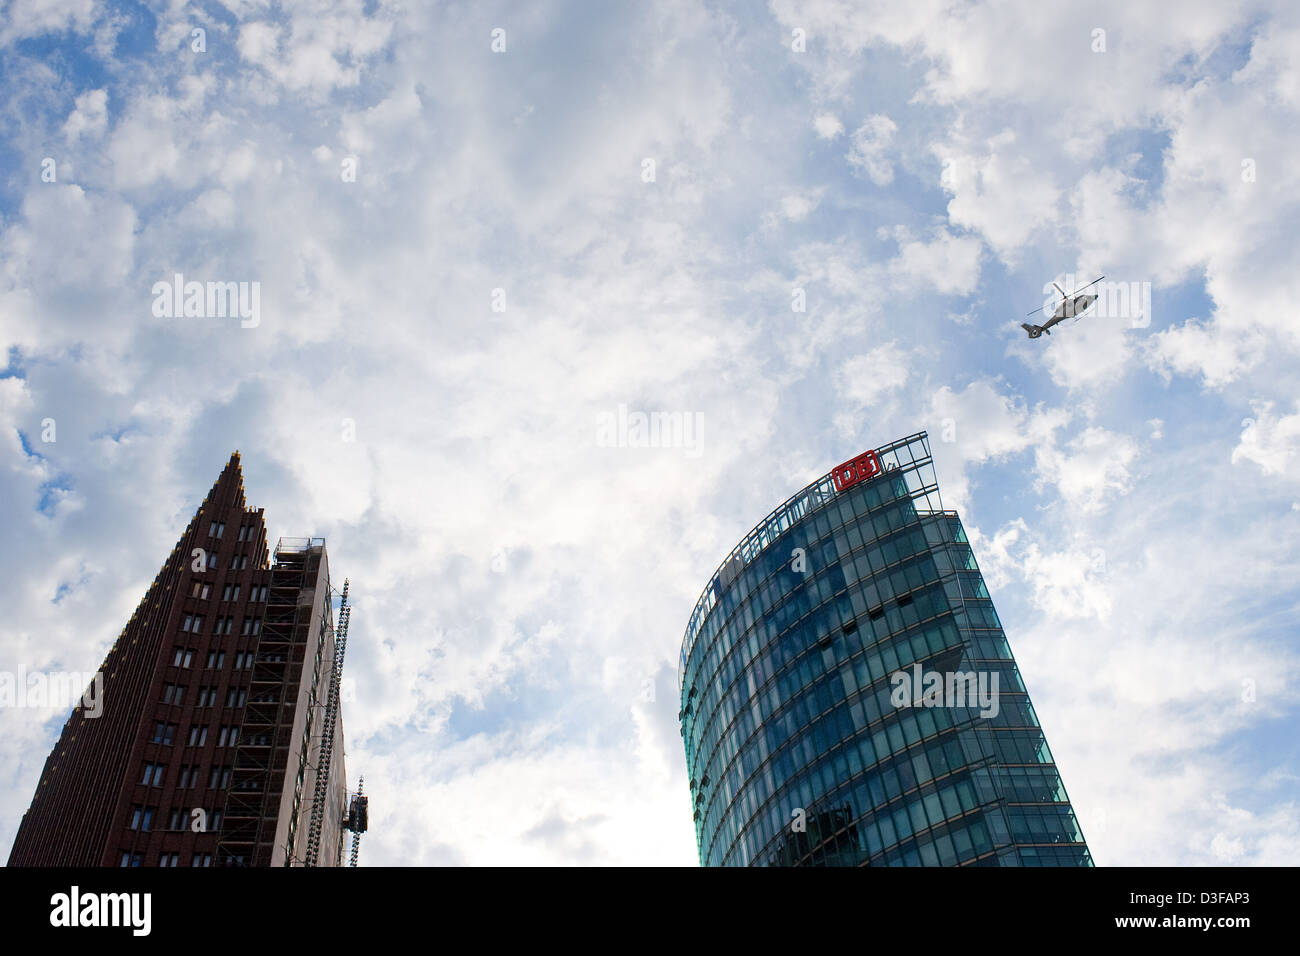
pixel 921 173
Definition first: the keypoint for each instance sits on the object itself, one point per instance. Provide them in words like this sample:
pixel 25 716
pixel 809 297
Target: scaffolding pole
pixel 321 795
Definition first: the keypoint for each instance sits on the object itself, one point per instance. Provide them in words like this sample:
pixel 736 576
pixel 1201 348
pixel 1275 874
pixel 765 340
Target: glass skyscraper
pixel 848 697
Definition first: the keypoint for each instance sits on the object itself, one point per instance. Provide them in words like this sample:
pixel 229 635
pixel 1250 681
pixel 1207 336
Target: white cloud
pixel 828 125
pixel 863 379
pixel 948 264
pixel 1195 348
pixel 980 424
pixel 796 208
pixel 997 191
pixel 495 551
pixel 871 147
pixel 90 117
pixel 30 18
pixel 1066 584
pixel 1092 467
pixel 1269 440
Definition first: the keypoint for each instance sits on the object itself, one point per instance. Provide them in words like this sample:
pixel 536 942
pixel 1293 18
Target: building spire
pixel 229 482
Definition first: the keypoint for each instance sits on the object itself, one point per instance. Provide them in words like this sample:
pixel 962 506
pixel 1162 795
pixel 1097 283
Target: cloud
pixel 1092 466
pixel 997 191
pixel 981 424
pixel 1269 440
pixel 90 117
pixel 828 125
pixel 31 18
pixel 871 147
pixel 863 379
pixel 796 208
pixel 496 549
pixel 948 264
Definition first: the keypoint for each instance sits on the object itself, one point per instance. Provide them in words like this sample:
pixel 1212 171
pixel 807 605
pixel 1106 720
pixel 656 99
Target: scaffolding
pixel 320 796
pixel 358 819
pixel 266 733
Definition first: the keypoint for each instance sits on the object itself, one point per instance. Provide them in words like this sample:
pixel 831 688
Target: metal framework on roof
pixel 808 499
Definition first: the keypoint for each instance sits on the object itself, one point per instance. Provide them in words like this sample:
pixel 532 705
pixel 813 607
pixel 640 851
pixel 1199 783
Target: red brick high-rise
pixel 209 735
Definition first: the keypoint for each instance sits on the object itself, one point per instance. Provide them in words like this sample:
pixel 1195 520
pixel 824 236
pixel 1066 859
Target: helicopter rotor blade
pixel 1035 312
pixel 1082 287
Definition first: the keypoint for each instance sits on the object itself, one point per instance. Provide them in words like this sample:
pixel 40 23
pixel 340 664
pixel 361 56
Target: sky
pixel 480 233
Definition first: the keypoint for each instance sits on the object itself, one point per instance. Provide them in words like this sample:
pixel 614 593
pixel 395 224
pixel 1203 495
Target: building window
pixel 162 733
pixel 189 777
pixel 198 736
pixel 216 660
pixel 132 859
pixel 231 593
pixel 176 819
pixel 207 697
pixel 228 737
pixel 216 529
pixel 243 659
pixel 153 774
pixel 212 560
pixel 219 778
pixel 173 693
pixel 236 697
pixel 200 859
pixel 183 657
pixel 141 819
pixel 169 859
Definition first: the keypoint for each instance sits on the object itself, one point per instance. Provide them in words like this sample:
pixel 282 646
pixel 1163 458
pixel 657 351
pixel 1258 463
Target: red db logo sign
pixel 865 466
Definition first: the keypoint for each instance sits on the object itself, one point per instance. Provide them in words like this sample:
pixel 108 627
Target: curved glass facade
pixel 848 697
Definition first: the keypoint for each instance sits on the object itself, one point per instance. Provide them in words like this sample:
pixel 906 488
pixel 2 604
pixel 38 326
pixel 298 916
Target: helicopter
pixel 1072 305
